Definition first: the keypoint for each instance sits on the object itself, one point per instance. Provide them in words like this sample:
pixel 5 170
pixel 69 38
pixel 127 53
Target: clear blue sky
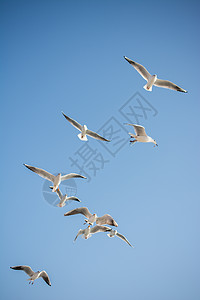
pixel 68 56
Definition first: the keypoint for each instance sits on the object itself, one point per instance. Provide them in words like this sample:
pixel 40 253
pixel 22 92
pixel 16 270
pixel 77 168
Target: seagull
pixel 55 179
pixel 141 135
pixel 33 275
pixel 84 131
pixel 113 233
pixel 89 231
pixel 152 79
pixel 64 198
pixel 91 219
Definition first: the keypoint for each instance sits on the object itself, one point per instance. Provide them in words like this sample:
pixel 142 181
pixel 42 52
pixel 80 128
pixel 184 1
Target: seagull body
pixel 113 233
pixel 55 179
pixel 84 131
pixel 152 79
pixel 92 218
pixel 140 135
pixel 86 233
pixel 64 198
pixel 33 275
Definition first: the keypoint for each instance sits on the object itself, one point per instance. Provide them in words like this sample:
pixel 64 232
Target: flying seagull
pixel 152 79
pixel 55 179
pixel 64 198
pixel 106 219
pixel 89 231
pixel 84 131
pixel 141 135
pixel 33 275
pixel 113 233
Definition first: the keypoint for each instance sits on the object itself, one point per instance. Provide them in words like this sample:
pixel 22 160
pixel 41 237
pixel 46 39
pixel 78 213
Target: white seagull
pixel 113 233
pixel 89 231
pixel 84 131
pixel 64 198
pixel 55 179
pixel 141 135
pixel 33 275
pixel 152 79
pixel 106 219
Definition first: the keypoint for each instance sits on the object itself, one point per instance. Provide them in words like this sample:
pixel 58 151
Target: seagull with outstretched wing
pixel 140 135
pixel 33 275
pixel 152 79
pixel 84 131
pixel 92 218
pixel 55 179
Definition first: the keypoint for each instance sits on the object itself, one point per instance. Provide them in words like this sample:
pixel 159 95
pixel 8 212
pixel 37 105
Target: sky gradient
pixel 68 56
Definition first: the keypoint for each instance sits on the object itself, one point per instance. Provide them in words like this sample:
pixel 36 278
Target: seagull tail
pixel 149 89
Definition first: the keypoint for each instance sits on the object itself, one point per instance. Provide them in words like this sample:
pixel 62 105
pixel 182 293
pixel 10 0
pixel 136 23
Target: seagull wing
pixel 99 228
pixel 96 136
pixel 41 172
pixel 45 276
pixel 73 198
pixel 73 122
pixel 168 85
pixel 71 175
pixel 123 238
pixel 106 219
pixel 141 70
pixel 58 192
pixel 81 210
pixel 81 231
pixel 139 130
pixel 26 269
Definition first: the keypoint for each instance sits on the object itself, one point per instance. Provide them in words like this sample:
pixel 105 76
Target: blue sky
pixel 68 56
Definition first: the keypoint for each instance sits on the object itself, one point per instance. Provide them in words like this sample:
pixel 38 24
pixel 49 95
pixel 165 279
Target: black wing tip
pixel 128 59
pixel 29 167
pixel 65 115
pixel 181 90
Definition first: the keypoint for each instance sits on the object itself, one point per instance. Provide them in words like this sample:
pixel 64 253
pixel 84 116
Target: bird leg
pixel 132 141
